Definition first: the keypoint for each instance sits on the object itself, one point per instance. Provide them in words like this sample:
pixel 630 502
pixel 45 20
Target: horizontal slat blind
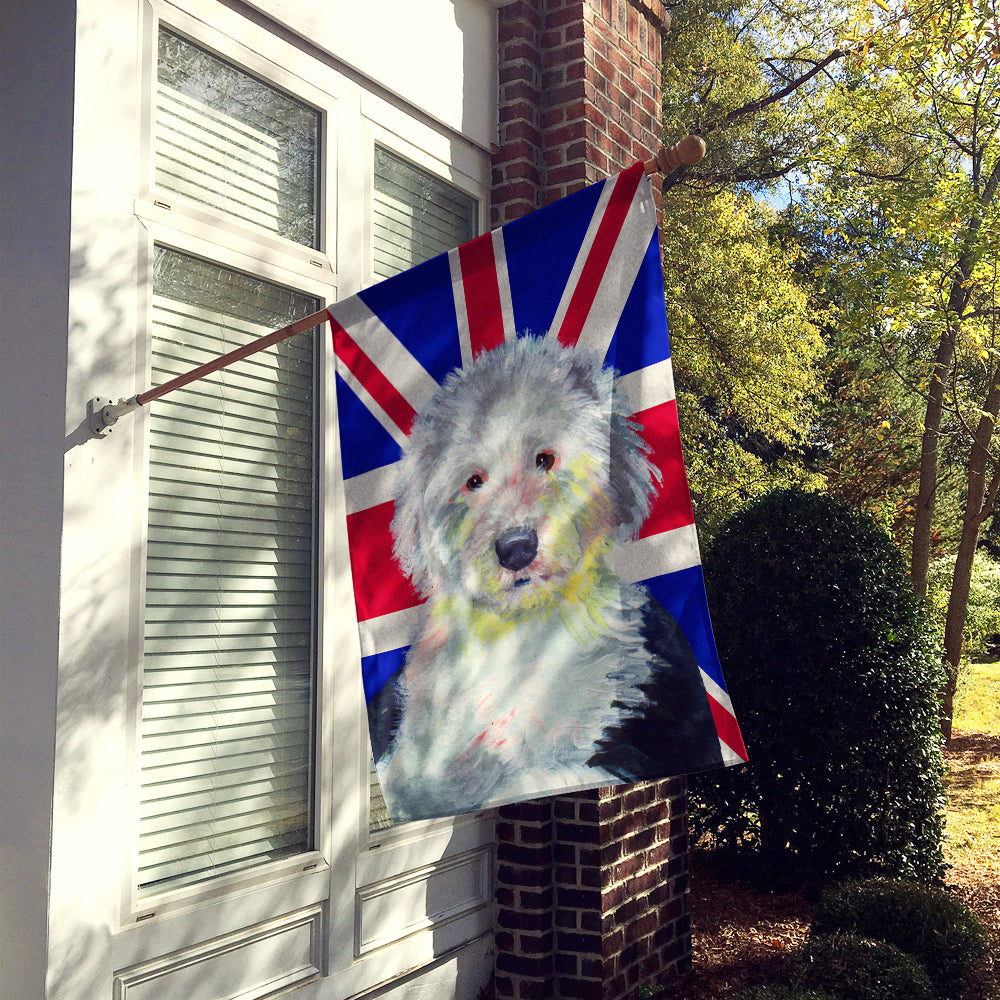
pixel 415 217
pixel 231 141
pixel 227 681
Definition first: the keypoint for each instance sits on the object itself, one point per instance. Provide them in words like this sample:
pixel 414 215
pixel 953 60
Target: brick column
pixel 579 96
pixel 591 889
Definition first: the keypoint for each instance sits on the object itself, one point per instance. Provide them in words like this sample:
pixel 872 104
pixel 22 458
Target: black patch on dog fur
pixel 673 732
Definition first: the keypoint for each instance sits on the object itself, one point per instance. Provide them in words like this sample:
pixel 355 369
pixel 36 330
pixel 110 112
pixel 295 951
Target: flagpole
pixel 103 413
pixel 687 152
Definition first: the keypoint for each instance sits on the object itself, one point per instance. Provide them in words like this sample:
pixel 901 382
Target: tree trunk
pixel 980 499
pixel 958 299
pixel 920 553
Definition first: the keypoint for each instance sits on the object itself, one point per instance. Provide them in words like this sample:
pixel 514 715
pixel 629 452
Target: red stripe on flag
pixel 672 502
pixel 388 397
pixel 728 729
pixel 380 586
pixel 600 253
pixel 482 294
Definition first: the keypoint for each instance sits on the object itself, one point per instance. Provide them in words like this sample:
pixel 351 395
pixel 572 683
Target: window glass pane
pixel 228 654
pixel 416 215
pixel 228 140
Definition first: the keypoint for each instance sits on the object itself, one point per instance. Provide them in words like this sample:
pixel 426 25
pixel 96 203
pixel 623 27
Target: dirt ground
pixel 742 935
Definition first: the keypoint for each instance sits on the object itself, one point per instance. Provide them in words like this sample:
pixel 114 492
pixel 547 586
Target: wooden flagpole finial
pixel 668 158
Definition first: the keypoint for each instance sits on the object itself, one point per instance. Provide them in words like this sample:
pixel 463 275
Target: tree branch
pixel 753 107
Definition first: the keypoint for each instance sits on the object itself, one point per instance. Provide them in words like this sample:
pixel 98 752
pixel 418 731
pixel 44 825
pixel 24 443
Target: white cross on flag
pixel 525 566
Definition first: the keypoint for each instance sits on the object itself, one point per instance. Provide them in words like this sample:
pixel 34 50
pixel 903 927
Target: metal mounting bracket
pixel 103 413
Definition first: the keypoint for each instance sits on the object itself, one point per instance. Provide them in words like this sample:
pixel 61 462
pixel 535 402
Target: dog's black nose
pixel 516 547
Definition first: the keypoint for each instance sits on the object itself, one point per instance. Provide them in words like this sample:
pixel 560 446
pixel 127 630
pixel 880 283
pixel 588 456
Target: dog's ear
pixel 634 479
pixel 413 541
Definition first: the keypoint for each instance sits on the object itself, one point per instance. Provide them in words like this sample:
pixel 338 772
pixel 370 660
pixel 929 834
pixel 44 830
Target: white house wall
pixel 36 110
pixel 73 292
pixel 432 54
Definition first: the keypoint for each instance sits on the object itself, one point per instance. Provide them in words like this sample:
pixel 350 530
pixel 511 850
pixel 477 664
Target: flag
pixel 581 275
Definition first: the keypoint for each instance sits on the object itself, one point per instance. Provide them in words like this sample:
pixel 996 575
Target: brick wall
pixel 591 893
pixel 579 96
pixel 591 889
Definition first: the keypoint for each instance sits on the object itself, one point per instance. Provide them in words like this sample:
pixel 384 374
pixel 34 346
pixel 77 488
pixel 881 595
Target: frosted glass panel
pixel 231 141
pixel 416 215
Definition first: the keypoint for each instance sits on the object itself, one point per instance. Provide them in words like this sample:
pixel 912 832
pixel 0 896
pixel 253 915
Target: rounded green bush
pixel 782 993
pixel 924 921
pixel 856 968
pixel 834 674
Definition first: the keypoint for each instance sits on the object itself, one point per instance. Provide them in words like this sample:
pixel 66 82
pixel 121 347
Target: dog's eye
pixel 544 460
pixel 475 482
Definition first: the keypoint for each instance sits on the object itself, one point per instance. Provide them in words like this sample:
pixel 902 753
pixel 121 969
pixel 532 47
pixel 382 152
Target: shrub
pixel 856 968
pixel 782 993
pixel 926 922
pixel 834 674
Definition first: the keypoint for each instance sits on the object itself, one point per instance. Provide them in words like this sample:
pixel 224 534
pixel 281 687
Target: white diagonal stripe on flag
pixel 718 693
pixel 667 552
pixel 581 257
pixel 379 635
pixel 606 265
pixel 649 386
pixel 409 378
pixel 620 274
pixel 461 310
pixel 503 281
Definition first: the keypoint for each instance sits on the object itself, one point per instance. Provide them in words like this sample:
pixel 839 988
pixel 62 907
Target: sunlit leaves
pixel 746 350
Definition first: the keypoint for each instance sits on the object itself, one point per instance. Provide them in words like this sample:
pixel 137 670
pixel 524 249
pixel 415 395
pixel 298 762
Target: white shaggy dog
pixel 518 479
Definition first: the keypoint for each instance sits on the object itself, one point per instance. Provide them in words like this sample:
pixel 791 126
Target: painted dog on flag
pixel 537 669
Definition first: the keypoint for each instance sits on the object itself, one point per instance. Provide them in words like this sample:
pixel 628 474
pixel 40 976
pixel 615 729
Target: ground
pixel 741 935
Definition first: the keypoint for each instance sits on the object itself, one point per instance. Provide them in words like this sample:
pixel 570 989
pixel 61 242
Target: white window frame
pixel 351 872
pixel 180 224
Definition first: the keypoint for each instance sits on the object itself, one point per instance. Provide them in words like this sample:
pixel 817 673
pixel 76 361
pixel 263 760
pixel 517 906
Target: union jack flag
pixel 585 270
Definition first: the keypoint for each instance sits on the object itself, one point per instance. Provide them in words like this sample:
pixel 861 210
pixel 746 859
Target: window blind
pixel 228 652
pixel 228 140
pixel 415 217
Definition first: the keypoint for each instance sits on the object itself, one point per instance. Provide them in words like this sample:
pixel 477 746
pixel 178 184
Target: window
pixel 228 680
pixel 415 216
pixel 228 140
pixel 229 645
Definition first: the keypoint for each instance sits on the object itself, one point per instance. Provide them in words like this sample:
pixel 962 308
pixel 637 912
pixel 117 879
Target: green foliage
pixel 782 993
pixel 983 617
pixel 833 672
pixel 747 355
pixel 856 968
pixel 926 922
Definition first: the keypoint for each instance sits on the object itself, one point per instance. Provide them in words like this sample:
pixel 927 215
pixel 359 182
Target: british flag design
pixel 584 271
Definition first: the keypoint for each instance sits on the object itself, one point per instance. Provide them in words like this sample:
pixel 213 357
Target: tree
pixel 748 352
pixel 747 356
pixel 913 190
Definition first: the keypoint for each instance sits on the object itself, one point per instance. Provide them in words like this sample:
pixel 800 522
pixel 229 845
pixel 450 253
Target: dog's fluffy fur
pixel 536 667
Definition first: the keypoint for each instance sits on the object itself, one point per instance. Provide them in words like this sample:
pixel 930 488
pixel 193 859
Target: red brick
pixel 519 920
pixel 529 899
pixel 537 966
pixel 575 941
pixel 581 989
pixel 535 944
pixel 567 964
